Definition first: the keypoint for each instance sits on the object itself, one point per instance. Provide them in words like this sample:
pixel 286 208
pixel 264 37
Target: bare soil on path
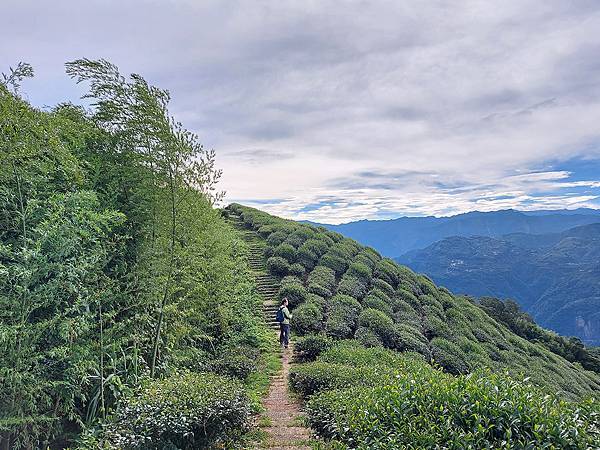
pixel 285 430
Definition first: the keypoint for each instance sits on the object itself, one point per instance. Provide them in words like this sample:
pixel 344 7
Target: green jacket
pixel 287 315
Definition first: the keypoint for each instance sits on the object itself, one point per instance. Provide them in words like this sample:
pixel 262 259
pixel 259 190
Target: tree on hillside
pixel 137 114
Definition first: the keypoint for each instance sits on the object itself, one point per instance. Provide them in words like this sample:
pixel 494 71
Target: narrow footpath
pixel 286 430
pixel 282 419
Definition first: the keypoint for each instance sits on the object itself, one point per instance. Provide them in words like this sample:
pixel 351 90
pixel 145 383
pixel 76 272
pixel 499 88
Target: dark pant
pixel 284 334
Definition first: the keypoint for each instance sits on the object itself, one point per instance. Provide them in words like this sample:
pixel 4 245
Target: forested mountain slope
pixel 341 292
pixel 555 277
pixel 128 318
pixel 397 236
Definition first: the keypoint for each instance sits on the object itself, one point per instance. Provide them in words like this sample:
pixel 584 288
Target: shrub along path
pixel 282 419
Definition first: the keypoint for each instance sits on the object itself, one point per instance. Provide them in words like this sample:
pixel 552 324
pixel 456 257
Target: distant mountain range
pixel 553 276
pixel 397 236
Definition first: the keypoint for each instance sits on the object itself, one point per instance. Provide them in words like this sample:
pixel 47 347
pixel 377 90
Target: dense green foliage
pixel 184 411
pixel 389 360
pixel 115 268
pixel 369 399
pixel 510 314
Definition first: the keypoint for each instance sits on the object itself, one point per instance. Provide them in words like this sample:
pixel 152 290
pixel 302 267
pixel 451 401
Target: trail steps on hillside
pixel 282 412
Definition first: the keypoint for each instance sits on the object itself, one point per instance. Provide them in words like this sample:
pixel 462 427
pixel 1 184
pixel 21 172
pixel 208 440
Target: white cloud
pixel 450 106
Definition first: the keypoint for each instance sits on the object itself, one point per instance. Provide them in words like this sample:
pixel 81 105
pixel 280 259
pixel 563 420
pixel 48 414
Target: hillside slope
pixel 395 237
pixel 347 291
pixel 555 277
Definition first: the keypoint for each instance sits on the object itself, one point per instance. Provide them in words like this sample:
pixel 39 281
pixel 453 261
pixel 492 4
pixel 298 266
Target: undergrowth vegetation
pixel 376 399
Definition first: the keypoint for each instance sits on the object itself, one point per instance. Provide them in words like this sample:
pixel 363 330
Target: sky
pixel 348 110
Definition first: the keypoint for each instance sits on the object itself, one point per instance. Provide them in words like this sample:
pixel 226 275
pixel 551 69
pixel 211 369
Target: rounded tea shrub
pixel 360 271
pixel 343 316
pixel 316 246
pixel 278 266
pixel 372 301
pixel 352 286
pixel 367 337
pixel 290 279
pixel 307 258
pixel 265 230
pixel 185 411
pixel 321 281
pixel 276 238
pixel 384 286
pixel 286 251
pixel 422 409
pixel 335 262
pixel 308 318
pixel 388 271
pixel 380 323
pixel 310 378
pixel 449 355
pixel 295 293
pixel 238 362
pixel 297 269
pixel 307 348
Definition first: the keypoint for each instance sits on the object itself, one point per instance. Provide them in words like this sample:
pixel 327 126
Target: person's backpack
pixel 279 317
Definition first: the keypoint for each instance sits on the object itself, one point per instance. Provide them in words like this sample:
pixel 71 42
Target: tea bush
pixel 384 286
pixel 278 266
pixel 350 352
pixel 449 355
pixel 308 318
pixel 335 262
pixel 265 230
pixel 367 337
pixel 360 271
pixel 310 378
pixel 409 338
pixel 295 293
pixel 307 258
pixel 381 324
pixel 424 408
pixel 343 316
pixel 321 281
pixel 317 247
pixel 297 269
pixel 352 286
pixel 285 251
pixel 290 279
pixel 374 302
pixel 186 411
pixel 309 347
pixel 276 238
pixel 238 362
pixel 388 271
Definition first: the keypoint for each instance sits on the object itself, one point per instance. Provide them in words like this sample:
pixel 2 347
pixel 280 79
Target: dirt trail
pixel 286 430
pixel 282 416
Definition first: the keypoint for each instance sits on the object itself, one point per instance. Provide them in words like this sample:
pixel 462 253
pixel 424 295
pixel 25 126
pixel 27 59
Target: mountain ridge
pixel 555 276
pixel 395 237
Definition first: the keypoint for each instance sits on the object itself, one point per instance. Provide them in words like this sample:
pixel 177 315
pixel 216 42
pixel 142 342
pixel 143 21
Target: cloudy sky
pixel 336 111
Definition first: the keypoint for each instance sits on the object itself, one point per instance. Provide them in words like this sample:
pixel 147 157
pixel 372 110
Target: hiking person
pixel 283 317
